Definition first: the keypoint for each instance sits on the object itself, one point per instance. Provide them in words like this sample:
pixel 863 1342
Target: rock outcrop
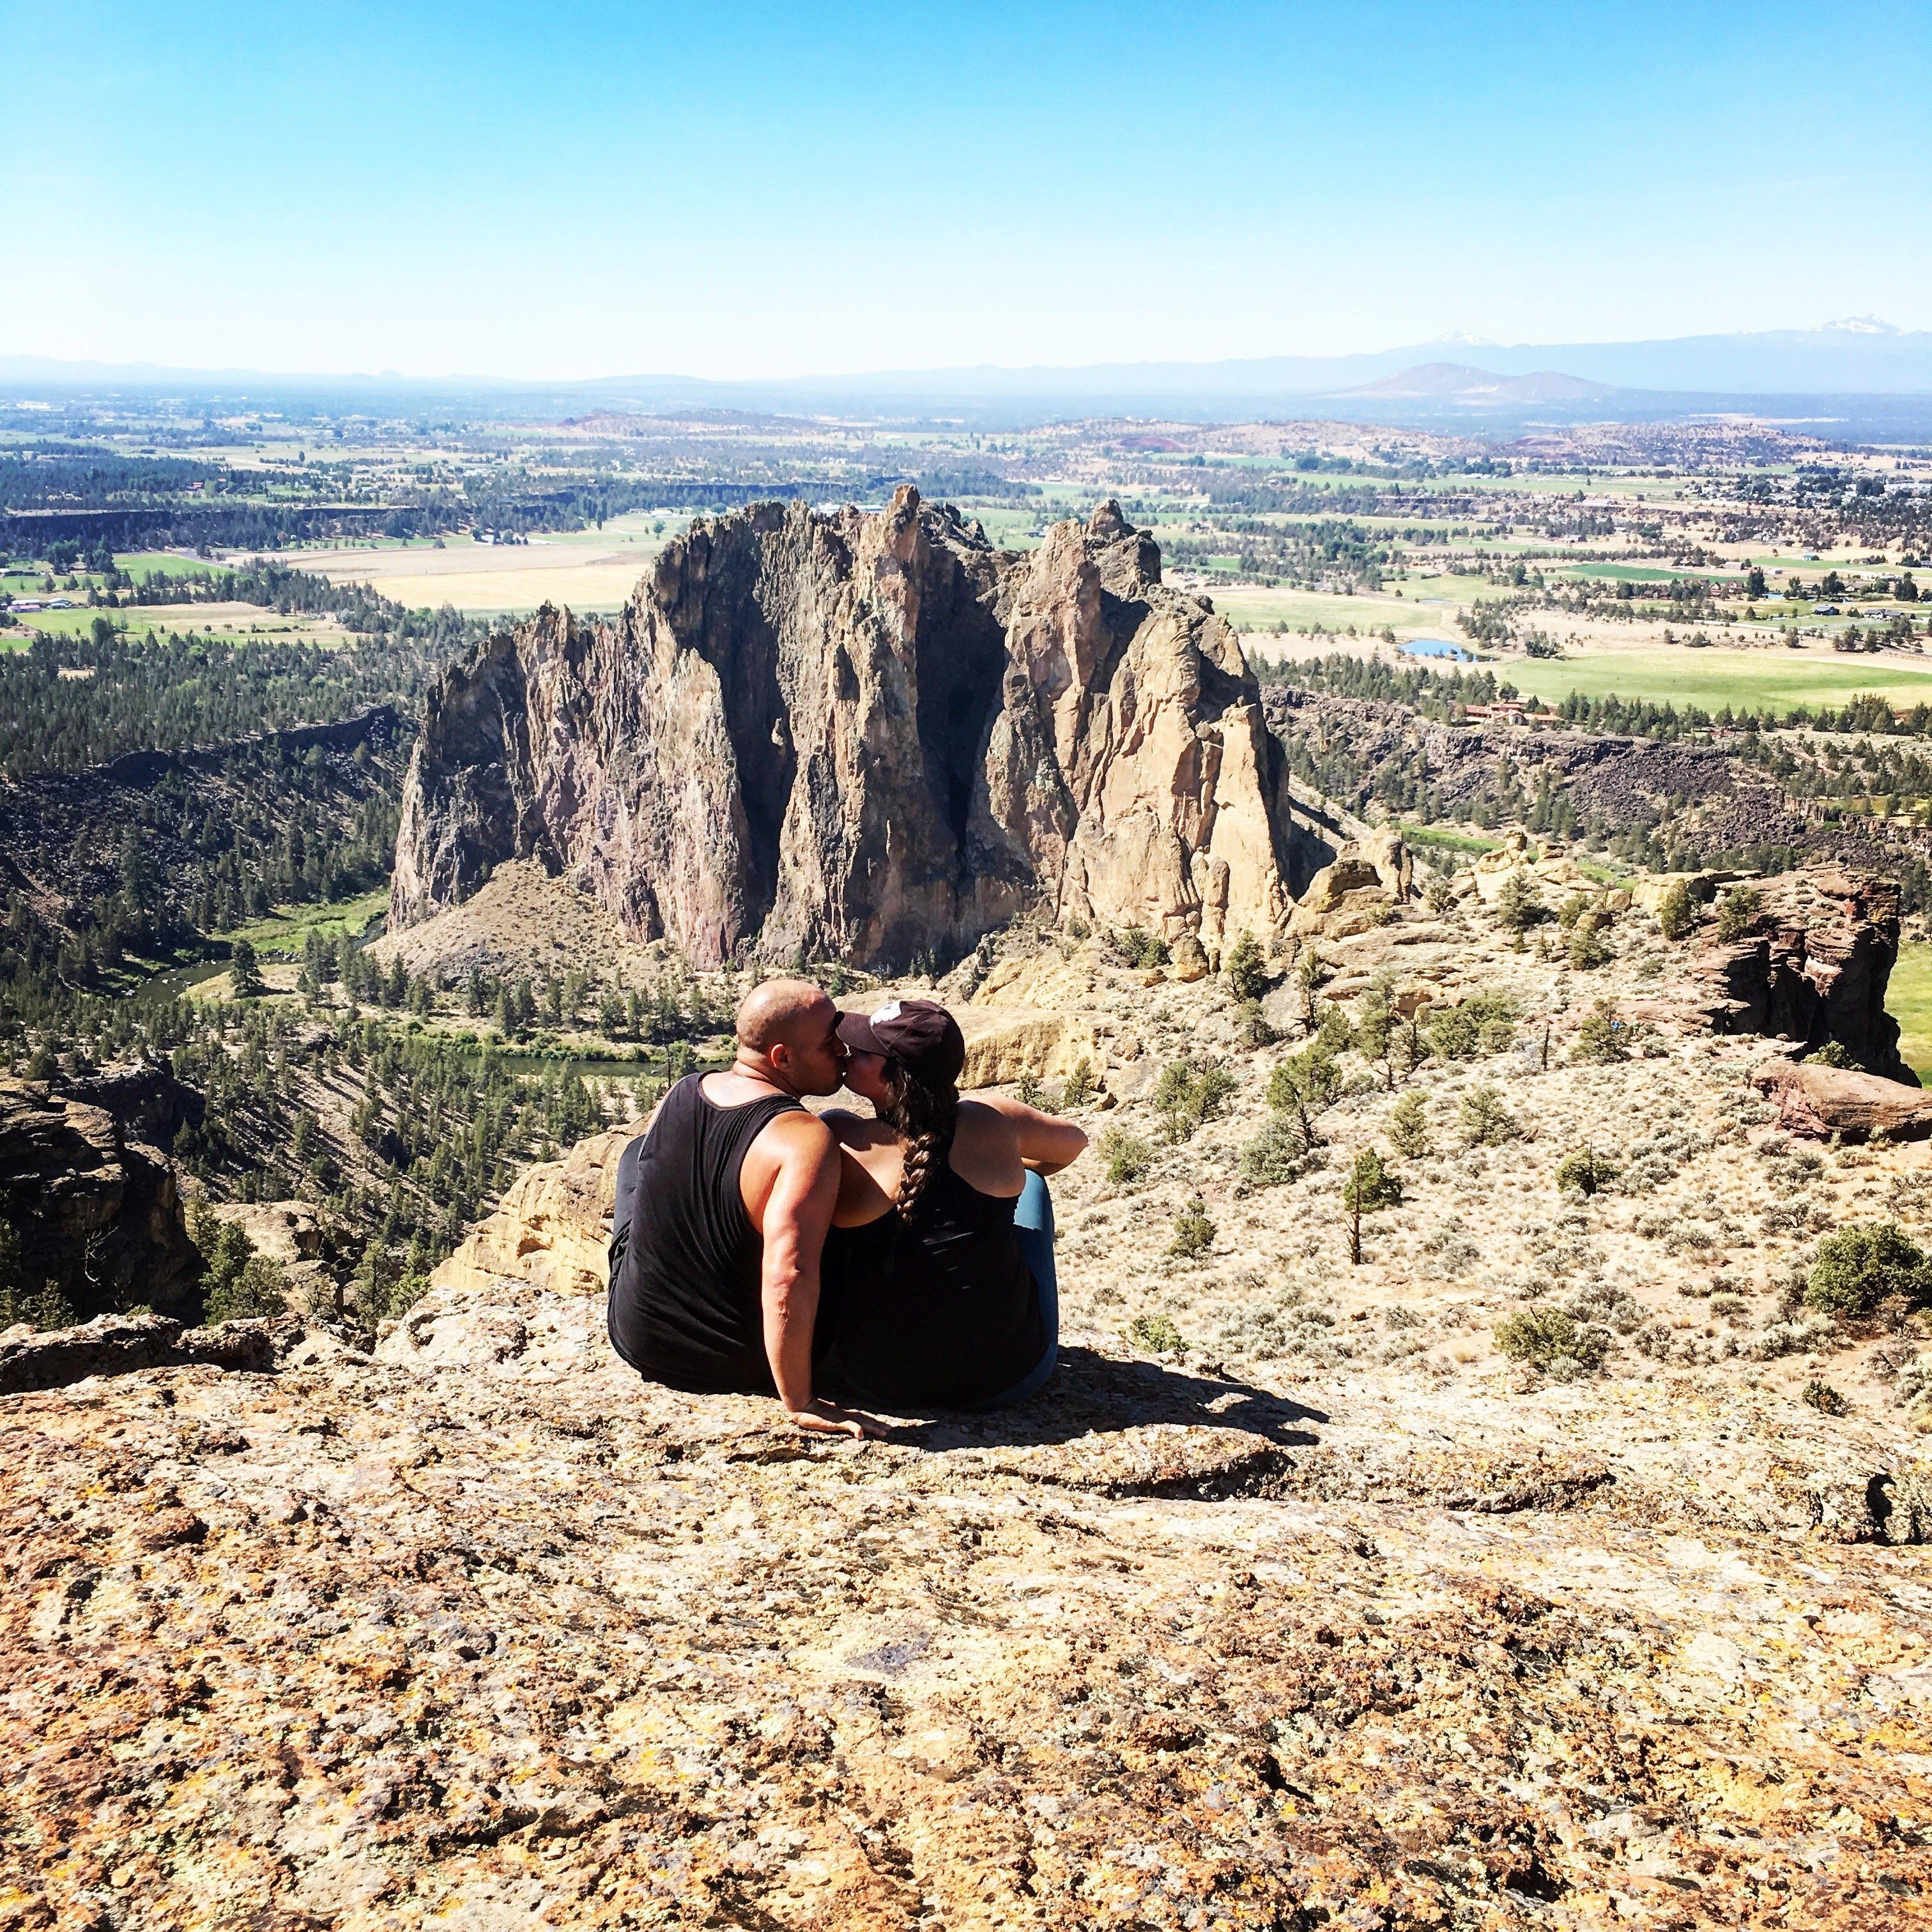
pixel 1814 968
pixel 1819 1102
pixel 485 1632
pixel 96 1212
pixel 870 737
pixel 121 1344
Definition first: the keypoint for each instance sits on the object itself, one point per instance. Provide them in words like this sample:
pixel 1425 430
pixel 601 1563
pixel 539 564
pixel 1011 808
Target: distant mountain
pixel 1820 373
pixel 1456 382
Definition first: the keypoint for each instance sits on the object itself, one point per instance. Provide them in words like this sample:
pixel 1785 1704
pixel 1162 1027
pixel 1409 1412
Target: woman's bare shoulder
pixel 984 1120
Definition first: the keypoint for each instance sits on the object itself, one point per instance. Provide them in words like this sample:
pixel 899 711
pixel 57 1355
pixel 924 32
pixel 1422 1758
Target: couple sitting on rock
pixel 903 1262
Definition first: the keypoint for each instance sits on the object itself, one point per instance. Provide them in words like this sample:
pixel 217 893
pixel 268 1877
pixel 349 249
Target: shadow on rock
pixel 1131 1428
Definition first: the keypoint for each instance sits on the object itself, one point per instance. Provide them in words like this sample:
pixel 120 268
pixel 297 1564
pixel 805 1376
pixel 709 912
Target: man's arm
pixel 798 1212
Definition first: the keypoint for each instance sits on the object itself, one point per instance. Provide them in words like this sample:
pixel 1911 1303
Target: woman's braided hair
pixel 924 1117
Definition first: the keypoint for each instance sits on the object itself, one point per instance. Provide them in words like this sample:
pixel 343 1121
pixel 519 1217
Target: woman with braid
pixel 939 1266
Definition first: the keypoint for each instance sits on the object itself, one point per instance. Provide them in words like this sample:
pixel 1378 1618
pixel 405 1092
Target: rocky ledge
pixel 482 1632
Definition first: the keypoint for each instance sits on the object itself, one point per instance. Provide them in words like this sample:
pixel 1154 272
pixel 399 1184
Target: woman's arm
pixel 1046 1142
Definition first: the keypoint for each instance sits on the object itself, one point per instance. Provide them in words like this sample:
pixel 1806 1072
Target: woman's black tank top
pixel 941 1311
pixel 685 1261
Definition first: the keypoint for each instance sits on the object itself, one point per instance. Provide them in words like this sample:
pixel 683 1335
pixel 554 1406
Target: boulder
pixel 119 1345
pixel 96 1212
pixel 870 737
pixel 1004 1044
pixel 551 1228
pixel 1818 1102
pixel 1650 892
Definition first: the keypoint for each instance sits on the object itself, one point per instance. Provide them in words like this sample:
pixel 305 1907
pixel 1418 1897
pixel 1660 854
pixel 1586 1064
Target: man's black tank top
pixel 942 1312
pixel 684 1306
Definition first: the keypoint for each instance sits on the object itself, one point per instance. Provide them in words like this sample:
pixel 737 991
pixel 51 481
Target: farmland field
pixel 1745 680
pixel 1761 680
pixel 1909 1001
pixel 588 570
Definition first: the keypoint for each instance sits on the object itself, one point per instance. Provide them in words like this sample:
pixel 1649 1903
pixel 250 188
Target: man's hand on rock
pixel 826 1418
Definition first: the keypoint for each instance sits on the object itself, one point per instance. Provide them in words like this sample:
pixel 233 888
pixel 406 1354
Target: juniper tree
pixel 1369 1186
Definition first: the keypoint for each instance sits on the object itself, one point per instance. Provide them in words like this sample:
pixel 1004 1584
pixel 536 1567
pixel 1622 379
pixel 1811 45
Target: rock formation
pixel 866 736
pixel 1814 968
pixel 96 1211
pixel 1819 1102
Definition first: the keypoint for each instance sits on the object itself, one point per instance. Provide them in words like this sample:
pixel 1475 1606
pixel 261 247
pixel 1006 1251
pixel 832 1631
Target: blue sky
pixel 733 190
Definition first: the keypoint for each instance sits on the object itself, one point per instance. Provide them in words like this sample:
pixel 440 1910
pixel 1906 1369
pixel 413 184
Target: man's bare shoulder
pixel 796 1132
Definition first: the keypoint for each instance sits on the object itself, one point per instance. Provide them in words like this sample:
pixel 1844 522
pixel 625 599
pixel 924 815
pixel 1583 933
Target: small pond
pixel 1437 647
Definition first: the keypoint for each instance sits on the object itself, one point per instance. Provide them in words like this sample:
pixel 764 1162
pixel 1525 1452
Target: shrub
pixel 260 1288
pixel 1079 1088
pixel 1738 914
pixel 1247 968
pixel 1484 1024
pixel 1333 1034
pixel 1484 1121
pixel 1193 1232
pixel 1831 1053
pixel 42 1064
pixel 1793 1338
pixel 1676 911
pixel 1587 949
pixel 1439 895
pixel 1304 1083
pixel 1278 1153
pixel 1858 1269
pixel 1553 1340
pixel 1142 949
pixel 1600 1039
pixel 1825 1398
pixel 1156 1333
pixel 1586 1171
pixel 1519 904
pixel 1572 910
pixel 1127 1156
pixel 1026 1088
pixel 1409 1126
pixel 1251 1028
pixel 44 1308
pixel 1186 1095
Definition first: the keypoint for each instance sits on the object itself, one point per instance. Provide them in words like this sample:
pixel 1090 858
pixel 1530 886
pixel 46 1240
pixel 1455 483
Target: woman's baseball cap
pixel 920 1034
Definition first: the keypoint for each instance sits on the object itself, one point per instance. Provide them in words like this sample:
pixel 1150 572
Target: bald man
pixel 722 1205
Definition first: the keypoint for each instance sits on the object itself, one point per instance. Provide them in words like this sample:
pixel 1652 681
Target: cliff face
pixel 1815 968
pixel 97 1211
pixel 870 737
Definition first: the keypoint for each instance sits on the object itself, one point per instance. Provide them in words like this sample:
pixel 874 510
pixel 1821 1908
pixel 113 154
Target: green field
pixel 1909 1001
pixel 161 563
pixel 1745 680
pixel 1443 839
pixel 1427 606
pixel 1633 573
pixel 286 931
